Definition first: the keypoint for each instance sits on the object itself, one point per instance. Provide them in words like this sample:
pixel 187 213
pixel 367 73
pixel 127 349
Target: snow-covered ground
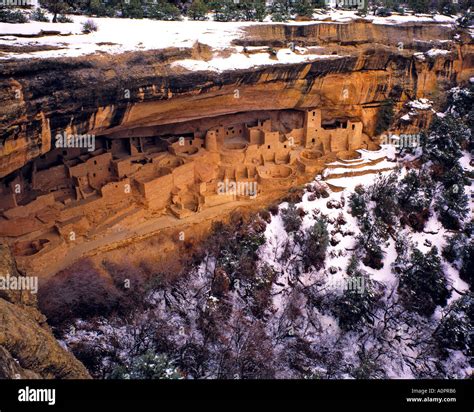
pixel 338 256
pixel 332 277
pixel 117 35
pixel 344 16
pixel 239 60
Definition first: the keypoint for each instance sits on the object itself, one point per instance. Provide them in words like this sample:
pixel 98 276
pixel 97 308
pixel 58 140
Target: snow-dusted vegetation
pixel 374 281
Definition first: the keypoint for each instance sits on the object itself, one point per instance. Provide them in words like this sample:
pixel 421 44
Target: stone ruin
pixel 70 194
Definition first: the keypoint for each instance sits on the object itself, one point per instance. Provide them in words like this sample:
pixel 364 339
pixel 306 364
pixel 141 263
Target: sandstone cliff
pixel 106 94
pixel 28 349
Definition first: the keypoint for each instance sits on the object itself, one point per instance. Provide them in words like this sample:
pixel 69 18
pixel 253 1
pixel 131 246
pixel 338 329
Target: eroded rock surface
pixel 102 94
pixel 28 348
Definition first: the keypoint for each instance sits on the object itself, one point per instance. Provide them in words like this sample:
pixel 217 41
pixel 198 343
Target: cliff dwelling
pixel 72 194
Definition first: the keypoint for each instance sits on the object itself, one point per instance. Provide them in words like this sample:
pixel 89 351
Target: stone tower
pixel 312 124
pixel 211 141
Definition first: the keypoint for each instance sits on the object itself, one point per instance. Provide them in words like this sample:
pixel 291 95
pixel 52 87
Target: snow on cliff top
pixel 342 16
pixel 242 61
pixel 117 35
pixel 120 35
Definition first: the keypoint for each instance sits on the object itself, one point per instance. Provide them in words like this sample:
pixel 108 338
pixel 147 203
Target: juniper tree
pixel 162 10
pixel 358 201
pixel 291 218
pixel 443 144
pixel 12 16
pixel 357 305
pixel 280 10
pixel 415 191
pixel 419 6
pixel 197 10
pixel 459 251
pixel 455 328
pixel 56 7
pixel 466 271
pixel 132 9
pixel 98 8
pixel 235 249
pixel 452 206
pixel 461 106
pixel 422 284
pixel 384 193
pixel 225 10
pixel 373 252
pixel 316 241
pixel 403 246
pixel 369 365
pixel 260 10
pixel 454 176
pixel 373 229
pixel 39 15
pixel 452 249
pixel 460 102
pixel 246 10
pixel 414 196
pixel 303 8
